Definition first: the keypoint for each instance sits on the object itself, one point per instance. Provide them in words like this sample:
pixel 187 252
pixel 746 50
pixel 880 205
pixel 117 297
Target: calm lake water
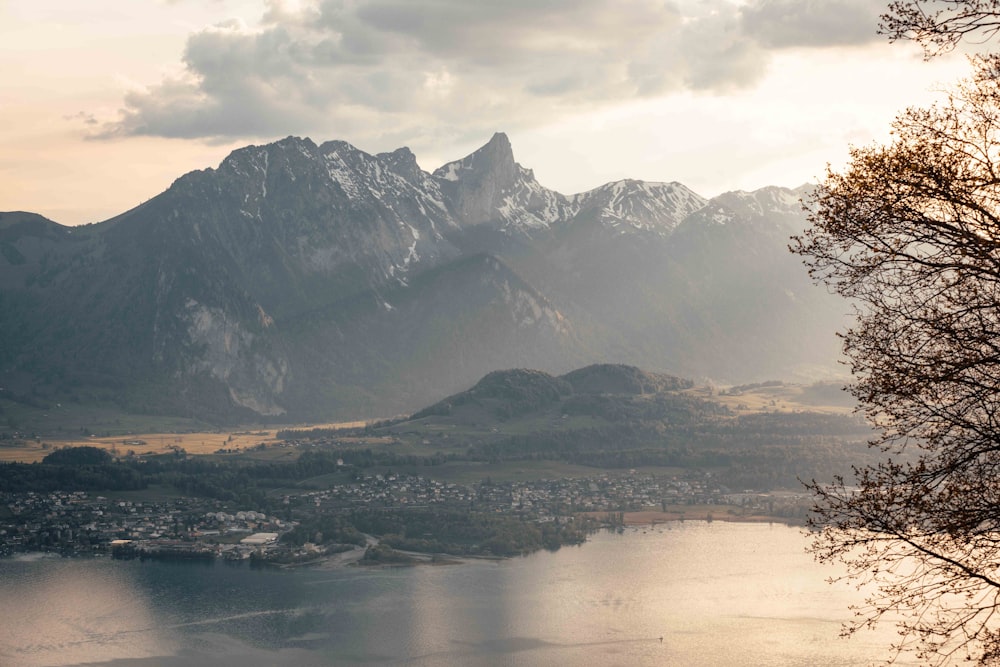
pixel 717 593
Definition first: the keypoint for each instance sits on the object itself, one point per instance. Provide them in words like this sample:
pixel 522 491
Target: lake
pixel 717 593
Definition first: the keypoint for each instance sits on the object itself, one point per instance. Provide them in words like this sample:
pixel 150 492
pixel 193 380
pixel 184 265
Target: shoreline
pixel 353 557
pixel 723 513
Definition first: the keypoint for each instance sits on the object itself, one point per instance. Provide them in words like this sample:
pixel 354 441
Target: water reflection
pixel 76 611
pixel 717 594
pixel 448 626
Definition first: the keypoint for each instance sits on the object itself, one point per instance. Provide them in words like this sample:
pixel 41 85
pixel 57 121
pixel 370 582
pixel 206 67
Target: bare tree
pixel 910 232
pixel 939 25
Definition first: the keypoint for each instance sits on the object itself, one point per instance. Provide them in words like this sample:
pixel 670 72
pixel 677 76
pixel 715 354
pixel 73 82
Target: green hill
pixel 615 416
pixel 622 379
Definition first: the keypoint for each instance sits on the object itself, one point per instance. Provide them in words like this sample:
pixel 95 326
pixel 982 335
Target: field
pixel 825 398
pixel 204 442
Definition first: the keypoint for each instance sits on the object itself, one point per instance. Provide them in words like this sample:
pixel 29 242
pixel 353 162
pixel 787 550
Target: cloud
pixel 379 69
pixel 812 23
pixel 82 117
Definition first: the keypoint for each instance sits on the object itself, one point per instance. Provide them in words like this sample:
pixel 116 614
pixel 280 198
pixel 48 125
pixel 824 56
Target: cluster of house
pixel 74 523
pixel 543 498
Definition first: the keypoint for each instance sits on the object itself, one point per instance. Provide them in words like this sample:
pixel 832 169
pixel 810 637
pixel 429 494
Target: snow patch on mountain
pixel 449 172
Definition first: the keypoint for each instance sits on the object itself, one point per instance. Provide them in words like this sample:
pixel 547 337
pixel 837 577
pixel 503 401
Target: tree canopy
pixel 75 456
pixel 910 233
pixel 939 25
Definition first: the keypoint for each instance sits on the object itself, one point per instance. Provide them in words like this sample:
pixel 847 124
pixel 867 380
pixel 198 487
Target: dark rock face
pixel 311 282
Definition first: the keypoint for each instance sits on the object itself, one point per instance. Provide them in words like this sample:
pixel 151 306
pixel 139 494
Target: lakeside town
pixel 83 524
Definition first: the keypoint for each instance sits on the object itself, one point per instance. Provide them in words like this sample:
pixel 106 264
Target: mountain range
pixel 299 281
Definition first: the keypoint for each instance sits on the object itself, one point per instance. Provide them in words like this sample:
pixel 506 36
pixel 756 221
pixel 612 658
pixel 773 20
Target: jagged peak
pixel 499 143
pixel 341 147
pixel 495 157
pixel 295 142
pixel 402 161
pixel 253 150
pixel 403 154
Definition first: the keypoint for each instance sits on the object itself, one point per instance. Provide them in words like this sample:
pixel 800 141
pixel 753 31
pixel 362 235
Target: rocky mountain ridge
pixel 317 281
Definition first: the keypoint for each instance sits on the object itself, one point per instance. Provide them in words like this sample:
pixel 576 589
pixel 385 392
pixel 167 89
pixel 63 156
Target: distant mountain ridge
pixel 311 281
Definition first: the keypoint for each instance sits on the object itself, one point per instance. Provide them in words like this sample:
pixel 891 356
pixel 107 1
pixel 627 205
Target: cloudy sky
pixel 104 103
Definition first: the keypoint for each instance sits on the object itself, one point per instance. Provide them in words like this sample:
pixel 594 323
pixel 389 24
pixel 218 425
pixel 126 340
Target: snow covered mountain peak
pixel 770 203
pixel 631 204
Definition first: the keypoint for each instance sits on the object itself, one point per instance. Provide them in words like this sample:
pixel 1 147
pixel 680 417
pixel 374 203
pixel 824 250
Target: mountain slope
pixel 386 354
